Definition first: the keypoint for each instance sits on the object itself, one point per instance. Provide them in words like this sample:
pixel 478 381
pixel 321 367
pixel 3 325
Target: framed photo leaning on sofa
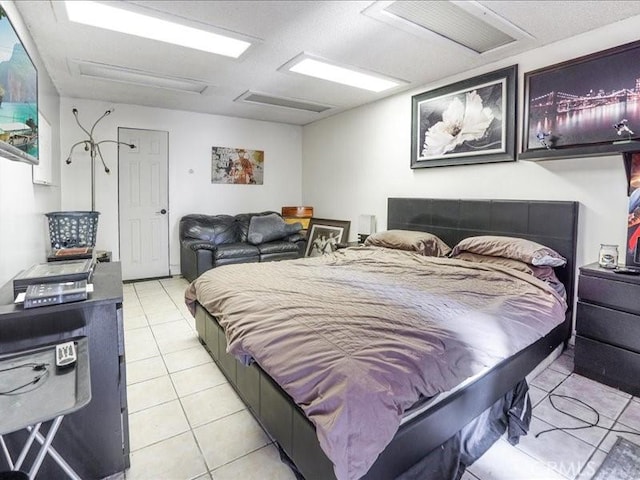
pixel 324 236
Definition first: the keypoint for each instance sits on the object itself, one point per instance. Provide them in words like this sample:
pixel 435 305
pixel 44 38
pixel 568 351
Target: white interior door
pixel 143 209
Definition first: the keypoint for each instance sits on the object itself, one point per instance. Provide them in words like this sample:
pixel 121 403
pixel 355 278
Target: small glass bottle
pixel 608 256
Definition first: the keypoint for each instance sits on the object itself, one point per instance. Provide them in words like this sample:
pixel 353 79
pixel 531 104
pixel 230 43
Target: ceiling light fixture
pixel 313 67
pixel 126 21
pixel 273 101
pixel 114 73
pixel 453 22
pixel 466 24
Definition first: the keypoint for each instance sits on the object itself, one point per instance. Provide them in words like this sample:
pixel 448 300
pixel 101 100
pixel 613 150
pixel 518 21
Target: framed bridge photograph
pixel 586 106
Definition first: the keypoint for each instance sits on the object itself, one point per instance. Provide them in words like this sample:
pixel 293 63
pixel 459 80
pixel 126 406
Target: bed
pixel 553 224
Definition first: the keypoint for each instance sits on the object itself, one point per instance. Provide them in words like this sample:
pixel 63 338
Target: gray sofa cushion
pixel 235 250
pixel 266 228
pixel 278 246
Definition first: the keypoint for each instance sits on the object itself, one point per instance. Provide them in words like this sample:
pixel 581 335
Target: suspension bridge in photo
pixel 561 102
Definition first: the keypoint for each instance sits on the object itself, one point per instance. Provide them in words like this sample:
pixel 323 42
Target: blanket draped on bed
pixel 357 336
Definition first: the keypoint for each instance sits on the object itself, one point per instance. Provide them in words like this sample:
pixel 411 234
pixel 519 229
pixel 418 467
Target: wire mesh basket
pixel 72 229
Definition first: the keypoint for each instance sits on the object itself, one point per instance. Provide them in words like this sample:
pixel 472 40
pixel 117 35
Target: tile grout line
pixel 570 429
pixel 192 428
pixel 184 412
pixel 535 459
pixel 167 373
pixel 268 444
pixel 596 448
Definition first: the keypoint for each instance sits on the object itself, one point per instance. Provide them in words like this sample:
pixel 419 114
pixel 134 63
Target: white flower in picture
pixel 460 123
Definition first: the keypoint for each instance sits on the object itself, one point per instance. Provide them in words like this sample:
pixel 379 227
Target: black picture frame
pixel 323 236
pixel 572 108
pixel 467 122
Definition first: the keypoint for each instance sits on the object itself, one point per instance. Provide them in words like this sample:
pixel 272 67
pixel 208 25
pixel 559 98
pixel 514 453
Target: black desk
pixel 93 440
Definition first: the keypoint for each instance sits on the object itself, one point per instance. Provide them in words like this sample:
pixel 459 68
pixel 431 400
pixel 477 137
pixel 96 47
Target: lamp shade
pixel 366 224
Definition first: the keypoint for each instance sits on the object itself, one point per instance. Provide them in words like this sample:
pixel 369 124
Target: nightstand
pixel 608 328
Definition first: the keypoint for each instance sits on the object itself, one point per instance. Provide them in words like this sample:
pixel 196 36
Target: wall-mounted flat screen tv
pixel 18 97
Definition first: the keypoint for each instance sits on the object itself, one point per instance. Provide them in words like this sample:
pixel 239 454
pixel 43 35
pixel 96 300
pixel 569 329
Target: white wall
pixel 191 136
pixel 23 235
pixel 354 161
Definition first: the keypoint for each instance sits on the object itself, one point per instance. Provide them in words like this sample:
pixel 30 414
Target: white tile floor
pixel 186 422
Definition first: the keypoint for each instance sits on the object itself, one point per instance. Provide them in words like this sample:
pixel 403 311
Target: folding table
pixel 26 403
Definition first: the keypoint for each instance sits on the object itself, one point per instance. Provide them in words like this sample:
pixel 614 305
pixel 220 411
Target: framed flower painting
pixel 472 121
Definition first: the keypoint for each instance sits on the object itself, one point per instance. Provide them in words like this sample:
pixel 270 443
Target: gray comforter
pixel 355 337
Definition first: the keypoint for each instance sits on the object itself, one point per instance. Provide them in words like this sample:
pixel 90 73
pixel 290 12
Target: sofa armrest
pixel 296 237
pixel 299 240
pixel 199 245
pixel 196 257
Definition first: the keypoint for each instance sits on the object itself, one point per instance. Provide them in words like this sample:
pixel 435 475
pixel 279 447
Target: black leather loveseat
pixel 208 241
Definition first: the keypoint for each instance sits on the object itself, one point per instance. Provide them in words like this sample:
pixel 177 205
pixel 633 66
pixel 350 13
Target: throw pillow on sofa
pixel 267 228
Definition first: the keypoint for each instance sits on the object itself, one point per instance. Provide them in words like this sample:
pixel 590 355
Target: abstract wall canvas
pixel 237 166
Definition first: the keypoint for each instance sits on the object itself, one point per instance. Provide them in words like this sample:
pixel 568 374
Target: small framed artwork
pixel 237 166
pixel 472 121
pixel 585 106
pixel 324 236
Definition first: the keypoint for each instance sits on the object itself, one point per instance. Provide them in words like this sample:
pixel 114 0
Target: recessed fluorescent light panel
pixel 126 21
pixel 452 22
pixel 314 67
pixel 137 77
pixel 273 101
pixel 467 23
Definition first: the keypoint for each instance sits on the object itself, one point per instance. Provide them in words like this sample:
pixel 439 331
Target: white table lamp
pixel 366 227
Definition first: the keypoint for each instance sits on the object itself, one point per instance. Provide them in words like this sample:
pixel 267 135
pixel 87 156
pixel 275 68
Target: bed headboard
pixel 551 223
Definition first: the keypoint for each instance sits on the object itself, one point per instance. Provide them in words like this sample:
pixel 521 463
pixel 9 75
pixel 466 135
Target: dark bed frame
pixel 551 223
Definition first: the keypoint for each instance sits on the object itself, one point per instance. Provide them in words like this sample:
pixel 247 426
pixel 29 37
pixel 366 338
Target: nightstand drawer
pixel 609 326
pixel 618 295
pixel 613 366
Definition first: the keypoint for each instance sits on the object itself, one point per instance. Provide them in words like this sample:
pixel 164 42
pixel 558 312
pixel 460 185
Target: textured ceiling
pixel 334 30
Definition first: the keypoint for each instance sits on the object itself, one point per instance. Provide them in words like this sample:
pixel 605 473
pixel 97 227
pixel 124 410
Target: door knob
pixel 163 211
